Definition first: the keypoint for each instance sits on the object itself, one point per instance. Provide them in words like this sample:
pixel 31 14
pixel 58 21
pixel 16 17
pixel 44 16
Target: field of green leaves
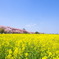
pixel 29 46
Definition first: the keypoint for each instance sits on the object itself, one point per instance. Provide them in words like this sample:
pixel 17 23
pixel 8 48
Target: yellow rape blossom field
pixel 29 46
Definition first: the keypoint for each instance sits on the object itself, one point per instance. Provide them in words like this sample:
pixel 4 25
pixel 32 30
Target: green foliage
pixel 1 30
pixel 24 29
pixel 37 32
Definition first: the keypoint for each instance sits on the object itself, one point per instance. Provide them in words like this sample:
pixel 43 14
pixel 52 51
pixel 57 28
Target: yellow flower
pixel 10 51
pixel 8 57
pixel 50 53
pixel 16 50
pixel 44 57
pixel 26 54
pixel 26 58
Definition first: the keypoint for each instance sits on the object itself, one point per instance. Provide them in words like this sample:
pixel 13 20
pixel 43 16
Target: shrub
pixel 1 30
pixel 37 32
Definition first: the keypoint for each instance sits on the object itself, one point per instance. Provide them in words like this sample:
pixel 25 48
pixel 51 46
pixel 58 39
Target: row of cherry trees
pixel 2 30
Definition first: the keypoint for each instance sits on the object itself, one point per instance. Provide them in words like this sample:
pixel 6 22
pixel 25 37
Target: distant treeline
pixel 2 30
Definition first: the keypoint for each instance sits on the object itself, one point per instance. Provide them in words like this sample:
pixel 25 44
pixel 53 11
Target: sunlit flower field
pixel 29 46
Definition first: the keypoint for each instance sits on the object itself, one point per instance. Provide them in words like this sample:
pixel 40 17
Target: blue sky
pixel 33 15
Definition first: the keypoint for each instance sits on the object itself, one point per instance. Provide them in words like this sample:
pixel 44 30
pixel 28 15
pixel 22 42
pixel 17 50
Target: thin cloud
pixel 30 25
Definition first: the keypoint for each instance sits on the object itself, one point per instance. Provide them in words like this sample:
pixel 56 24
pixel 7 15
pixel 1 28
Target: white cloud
pixel 30 25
